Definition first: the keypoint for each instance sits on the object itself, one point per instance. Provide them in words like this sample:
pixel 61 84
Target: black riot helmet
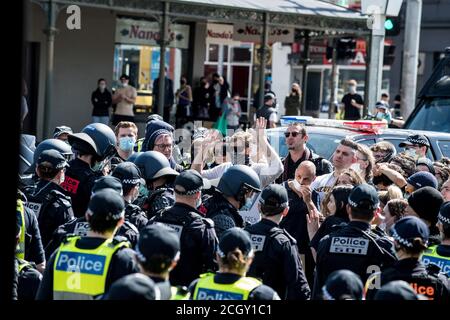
pixel 50 144
pixel 134 156
pixel 238 180
pixel 153 165
pixel 97 139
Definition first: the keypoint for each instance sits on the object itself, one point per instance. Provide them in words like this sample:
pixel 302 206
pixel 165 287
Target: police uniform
pixel 159 199
pixel 133 287
pixel 48 201
pixel 97 262
pixel 231 286
pixel 135 215
pixel 354 246
pixel 197 236
pixel 440 254
pixel 223 213
pixel 425 281
pixel 29 279
pixel 30 244
pixel 277 261
pixel 160 242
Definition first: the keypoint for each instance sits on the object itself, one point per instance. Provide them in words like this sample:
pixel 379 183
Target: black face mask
pixel 182 82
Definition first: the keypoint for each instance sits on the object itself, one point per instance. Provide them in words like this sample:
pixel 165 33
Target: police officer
pixel 28 184
pixel 197 236
pixel 159 177
pixel 267 111
pixel 81 227
pixel 234 256
pixel 354 246
pixel 410 239
pixel 48 201
pixel 28 277
pixel 343 285
pixel 277 261
pixel 158 252
pixel 235 189
pixel 133 287
pixel 97 260
pixel 30 246
pixel 94 146
pixel 130 177
pixel 440 254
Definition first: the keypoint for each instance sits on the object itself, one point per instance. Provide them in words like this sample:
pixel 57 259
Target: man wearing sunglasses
pixel 296 138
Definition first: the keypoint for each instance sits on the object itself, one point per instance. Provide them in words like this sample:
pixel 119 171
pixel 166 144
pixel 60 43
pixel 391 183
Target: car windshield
pixel 322 144
pixel 433 115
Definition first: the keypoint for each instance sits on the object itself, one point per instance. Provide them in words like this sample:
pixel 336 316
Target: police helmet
pixel 134 156
pixel 50 144
pixel 154 165
pixel 99 137
pixel 239 179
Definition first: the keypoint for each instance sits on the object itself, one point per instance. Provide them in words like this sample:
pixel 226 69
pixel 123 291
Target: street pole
pixel 164 30
pixel 50 31
pixel 376 60
pixel 410 56
pixel 334 82
pixel 305 67
pixel 366 77
pixel 262 59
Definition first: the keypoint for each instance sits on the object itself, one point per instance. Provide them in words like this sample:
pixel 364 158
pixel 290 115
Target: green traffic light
pixel 388 24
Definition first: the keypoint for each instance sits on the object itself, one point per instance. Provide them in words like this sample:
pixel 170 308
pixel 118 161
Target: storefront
pixel 137 54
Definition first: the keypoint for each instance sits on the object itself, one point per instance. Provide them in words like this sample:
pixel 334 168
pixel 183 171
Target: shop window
pixel 213 53
pixel 241 54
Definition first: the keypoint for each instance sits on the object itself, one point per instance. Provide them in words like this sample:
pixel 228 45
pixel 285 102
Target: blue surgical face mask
pixel 126 144
pixel 248 204
pixel 98 166
pixel 143 191
pixel 198 203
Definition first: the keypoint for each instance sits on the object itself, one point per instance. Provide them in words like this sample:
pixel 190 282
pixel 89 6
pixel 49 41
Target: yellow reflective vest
pixel 431 256
pixel 207 289
pixel 80 274
pixel 20 250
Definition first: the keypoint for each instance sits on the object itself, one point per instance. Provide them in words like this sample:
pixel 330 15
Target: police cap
pixel 190 182
pixel 157 240
pixel 275 197
pixel 444 214
pixel 363 197
pixel 343 285
pixel 128 173
pixel 408 228
pixel 107 182
pixel 232 239
pixel 52 159
pixel 415 139
pixel 107 203
pixel 395 291
pixel 423 179
pixel 136 286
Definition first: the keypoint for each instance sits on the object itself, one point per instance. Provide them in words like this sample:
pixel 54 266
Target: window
pixel 444 146
pixel 241 54
pixel 213 53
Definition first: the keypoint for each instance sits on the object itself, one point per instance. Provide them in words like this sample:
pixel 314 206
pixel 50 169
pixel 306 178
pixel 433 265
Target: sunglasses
pixel 294 134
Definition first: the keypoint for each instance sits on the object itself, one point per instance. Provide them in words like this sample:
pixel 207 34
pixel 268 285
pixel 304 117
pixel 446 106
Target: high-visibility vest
pixel 20 250
pixel 431 256
pixel 80 274
pixel 22 264
pixel 179 294
pixel 207 289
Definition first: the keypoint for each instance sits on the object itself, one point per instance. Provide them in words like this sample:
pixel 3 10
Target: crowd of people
pixel 103 214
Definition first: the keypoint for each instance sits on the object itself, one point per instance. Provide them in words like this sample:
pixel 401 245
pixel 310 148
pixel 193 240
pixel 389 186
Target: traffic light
pixel 346 49
pixel 388 57
pixel 392 26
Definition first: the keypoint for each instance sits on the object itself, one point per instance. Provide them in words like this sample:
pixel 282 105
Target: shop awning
pixel 313 15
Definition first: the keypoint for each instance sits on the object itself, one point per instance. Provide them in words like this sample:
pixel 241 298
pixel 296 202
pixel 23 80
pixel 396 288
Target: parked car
pixel 433 109
pixel 324 136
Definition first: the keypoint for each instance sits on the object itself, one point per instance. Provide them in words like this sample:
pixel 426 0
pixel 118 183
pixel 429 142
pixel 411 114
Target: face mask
pixel 62 178
pixel 352 89
pixel 412 153
pixel 198 203
pixel 124 84
pixel 379 115
pixel 356 167
pixel 98 166
pixel 296 185
pixel 102 87
pixel 126 144
pixel 248 204
pixel 143 191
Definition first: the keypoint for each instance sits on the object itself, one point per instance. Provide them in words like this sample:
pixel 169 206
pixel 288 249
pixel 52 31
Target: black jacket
pixel 51 206
pixel 34 250
pixel 161 198
pixel 80 179
pixel 277 261
pixel 168 93
pixel 101 101
pixel 351 248
pixel 135 215
pixel 223 213
pixel 417 275
pixel 198 242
